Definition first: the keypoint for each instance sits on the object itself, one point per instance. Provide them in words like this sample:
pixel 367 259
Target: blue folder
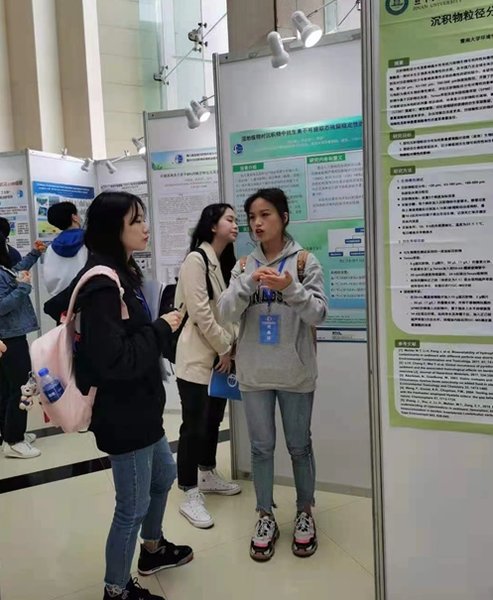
pixel 224 385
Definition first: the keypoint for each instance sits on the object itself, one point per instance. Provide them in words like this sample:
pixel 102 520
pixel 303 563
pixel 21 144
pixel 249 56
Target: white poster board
pixel 319 85
pixel 182 173
pixel 55 179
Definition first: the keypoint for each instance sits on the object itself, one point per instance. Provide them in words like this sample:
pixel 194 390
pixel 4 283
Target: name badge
pixel 269 329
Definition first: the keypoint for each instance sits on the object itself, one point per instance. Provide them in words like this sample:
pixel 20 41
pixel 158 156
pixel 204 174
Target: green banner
pixel 436 143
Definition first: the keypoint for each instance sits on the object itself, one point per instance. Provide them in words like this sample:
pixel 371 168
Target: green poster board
pixel 436 145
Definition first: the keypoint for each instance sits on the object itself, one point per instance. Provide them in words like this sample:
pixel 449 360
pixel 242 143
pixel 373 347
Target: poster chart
pixel 184 182
pixel 46 194
pixel 14 206
pixel 138 188
pixel 436 145
pixel 320 168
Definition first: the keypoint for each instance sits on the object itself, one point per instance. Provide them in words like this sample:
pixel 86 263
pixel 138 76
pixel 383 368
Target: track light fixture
pixel 110 164
pixel 198 112
pixel 280 57
pixel 86 165
pixel 309 33
pixel 139 145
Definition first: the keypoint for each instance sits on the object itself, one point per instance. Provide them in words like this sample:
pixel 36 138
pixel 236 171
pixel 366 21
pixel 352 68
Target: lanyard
pixel 271 295
pixel 140 296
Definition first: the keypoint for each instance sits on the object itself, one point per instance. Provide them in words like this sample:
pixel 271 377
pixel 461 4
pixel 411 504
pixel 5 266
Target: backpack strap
pixel 210 291
pixel 95 272
pixel 301 264
pixel 243 262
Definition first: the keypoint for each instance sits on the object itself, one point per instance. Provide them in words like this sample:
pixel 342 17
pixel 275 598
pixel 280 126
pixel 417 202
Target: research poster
pixel 46 194
pixel 183 183
pixel 320 168
pixel 138 188
pixel 14 206
pixel 436 143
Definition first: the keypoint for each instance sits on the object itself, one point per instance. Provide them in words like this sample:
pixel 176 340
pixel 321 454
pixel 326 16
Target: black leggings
pixel 197 446
pixel 15 366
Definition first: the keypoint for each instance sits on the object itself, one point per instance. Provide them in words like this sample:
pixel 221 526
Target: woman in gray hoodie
pixel 277 294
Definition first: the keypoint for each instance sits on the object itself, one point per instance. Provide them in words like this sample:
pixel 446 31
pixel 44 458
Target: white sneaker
pixel 30 438
pixel 211 483
pixel 193 510
pixel 20 450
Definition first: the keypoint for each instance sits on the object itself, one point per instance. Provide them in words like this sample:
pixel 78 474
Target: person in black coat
pixel 121 358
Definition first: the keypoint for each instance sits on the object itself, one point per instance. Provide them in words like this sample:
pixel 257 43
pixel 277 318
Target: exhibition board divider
pixel 301 128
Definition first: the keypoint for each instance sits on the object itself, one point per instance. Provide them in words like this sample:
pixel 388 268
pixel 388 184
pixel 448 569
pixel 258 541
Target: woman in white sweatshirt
pixel 278 297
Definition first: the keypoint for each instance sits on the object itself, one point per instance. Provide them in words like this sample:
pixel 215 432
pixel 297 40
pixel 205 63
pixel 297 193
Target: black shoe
pixel 166 556
pixel 133 591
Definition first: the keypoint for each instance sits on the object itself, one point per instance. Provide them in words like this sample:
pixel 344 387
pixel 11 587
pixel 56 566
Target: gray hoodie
pixel 290 365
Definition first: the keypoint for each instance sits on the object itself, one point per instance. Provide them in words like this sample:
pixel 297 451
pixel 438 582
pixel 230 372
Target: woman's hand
pixel 173 319
pixel 275 281
pixel 3 348
pixel 24 277
pixel 40 246
pixel 224 363
pixel 262 272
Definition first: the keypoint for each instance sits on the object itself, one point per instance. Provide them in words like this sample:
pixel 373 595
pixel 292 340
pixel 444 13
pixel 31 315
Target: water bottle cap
pixel 43 372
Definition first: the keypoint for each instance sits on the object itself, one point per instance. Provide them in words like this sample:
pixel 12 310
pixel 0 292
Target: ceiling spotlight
pixel 309 32
pixel 280 57
pixel 201 110
pixel 110 166
pixel 139 144
pixel 192 119
pixel 86 165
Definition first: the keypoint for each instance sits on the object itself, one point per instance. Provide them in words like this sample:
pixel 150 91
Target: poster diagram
pixel 14 207
pixel 320 168
pixel 183 183
pixel 47 194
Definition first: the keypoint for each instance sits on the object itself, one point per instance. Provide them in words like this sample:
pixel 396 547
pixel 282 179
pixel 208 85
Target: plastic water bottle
pixel 52 388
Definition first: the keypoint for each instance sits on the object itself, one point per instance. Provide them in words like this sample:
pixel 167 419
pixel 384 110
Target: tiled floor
pixel 52 538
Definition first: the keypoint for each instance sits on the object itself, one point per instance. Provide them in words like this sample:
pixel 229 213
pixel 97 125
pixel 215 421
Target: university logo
pixel 232 381
pixel 396 7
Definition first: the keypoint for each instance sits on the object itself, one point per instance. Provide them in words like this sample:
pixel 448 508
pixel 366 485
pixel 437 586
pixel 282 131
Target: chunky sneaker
pixel 210 482
pixel 30 438
pixel 304 536
pixel 165 557
pixel 132 591
pixel 263 542
pixel 194 510
pixel 20 450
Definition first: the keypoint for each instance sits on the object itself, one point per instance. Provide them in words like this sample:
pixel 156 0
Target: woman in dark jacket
pixel 121 358
pixel 17 319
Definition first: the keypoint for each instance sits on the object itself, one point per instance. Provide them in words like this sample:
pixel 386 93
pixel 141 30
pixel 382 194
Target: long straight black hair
pixel 211 215
pixel 5 260
pixel 104 227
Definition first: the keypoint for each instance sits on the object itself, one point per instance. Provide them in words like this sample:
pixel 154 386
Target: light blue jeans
pixel 296 412
pixel 143 479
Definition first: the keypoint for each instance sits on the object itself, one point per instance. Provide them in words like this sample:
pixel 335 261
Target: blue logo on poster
pixel 396 7
pixel 20 193
pixel 179 159
pixel 238 149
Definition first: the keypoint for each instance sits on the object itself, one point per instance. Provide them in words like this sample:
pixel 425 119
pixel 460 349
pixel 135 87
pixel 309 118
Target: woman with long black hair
pixel 204 341
pixel 121 357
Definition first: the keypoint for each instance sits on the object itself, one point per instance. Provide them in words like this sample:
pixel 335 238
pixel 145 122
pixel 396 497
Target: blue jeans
pixel 143 479
pixel 296 412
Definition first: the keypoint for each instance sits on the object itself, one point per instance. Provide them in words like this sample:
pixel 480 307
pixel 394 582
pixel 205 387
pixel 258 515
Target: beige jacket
pixel 204 335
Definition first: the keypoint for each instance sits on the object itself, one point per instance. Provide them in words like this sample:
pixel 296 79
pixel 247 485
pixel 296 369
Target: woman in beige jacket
pixel 204 343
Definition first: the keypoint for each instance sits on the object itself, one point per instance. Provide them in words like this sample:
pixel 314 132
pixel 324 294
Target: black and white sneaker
pixel 305 535
pixel 132 591
pixel 262 546
pixel 167 556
